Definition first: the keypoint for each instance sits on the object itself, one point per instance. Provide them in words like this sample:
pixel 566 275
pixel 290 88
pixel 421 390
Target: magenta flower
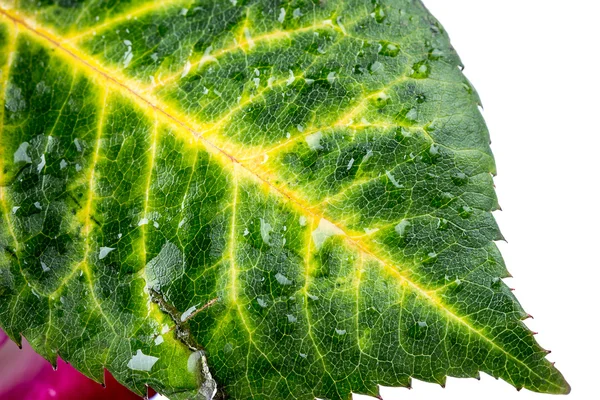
pixel 25 375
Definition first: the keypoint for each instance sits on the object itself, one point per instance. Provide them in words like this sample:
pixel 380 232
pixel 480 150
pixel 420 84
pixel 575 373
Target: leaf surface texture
pixel 251 199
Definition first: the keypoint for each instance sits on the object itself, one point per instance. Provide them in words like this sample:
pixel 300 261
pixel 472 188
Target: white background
pixel 535 64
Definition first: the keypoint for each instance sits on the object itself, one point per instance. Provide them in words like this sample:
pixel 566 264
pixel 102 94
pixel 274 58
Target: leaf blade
pixel 266 186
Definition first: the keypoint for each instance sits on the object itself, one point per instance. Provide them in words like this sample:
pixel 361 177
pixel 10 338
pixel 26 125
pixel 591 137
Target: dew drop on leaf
pixel 141 362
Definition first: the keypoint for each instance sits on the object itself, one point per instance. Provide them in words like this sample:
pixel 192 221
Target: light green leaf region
pixel 255 199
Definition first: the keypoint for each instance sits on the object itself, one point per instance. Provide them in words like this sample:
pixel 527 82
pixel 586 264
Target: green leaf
pixel 262 199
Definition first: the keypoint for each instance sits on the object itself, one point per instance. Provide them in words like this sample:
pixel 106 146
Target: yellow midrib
pixel 187 125
pixel 3 81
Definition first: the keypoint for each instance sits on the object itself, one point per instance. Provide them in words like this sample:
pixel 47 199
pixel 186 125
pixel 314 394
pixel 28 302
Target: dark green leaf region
pixel 251 199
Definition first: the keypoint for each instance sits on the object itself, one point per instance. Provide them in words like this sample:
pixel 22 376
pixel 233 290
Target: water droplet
pixel 376 67
pixel 128 56
pixel 412 115
pixel 314 141
pixel 281 16
pixel 442 200
pixel 393 180
pixel 350 164
pixel 401 227
pixel 420 70
pixel 141 361
pixel 42 163
pixel 291 78
pixel 78 145
pixel 21 154
pixel 434 150
pixel 465 211
pixel 382 99
pixel 265 231
pixel 14 101
pixel 460 179
pixel 186 69
pixel 197 363
pixel 404 134
pixel 186 314
pixel 378 13
pixel 193 359
pixel 388 49
pixel 435 54
pixel 325 230
pixel 282 279
pixel 104 252
pixel 261 302
pixel 367 156
pixel 331 78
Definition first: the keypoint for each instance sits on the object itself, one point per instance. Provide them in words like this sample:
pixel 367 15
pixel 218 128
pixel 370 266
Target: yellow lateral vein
pixel 3 83
pixel 233 267
pixel 245 40
pixel 87 227
pixel 240 44
pixel 148 183
pixel 143 227
pixel 125 16
pixel 307 281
